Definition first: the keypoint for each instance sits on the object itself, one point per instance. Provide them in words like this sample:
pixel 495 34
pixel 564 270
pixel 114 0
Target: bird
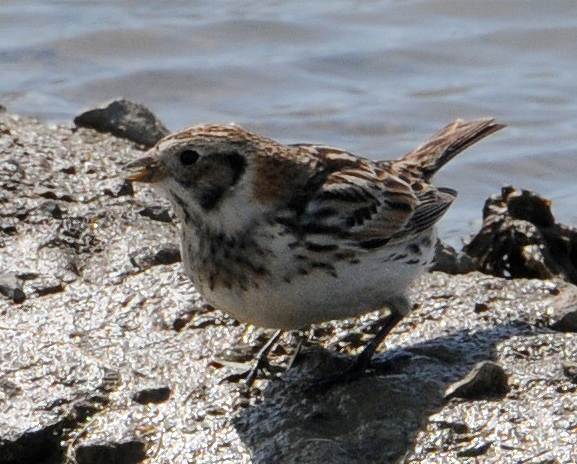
pixel 287 235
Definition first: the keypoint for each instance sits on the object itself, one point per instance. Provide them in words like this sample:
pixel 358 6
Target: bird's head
pixel 219 174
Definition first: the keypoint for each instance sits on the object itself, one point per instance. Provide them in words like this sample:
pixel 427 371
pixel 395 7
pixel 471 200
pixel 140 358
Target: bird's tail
pixel 442 147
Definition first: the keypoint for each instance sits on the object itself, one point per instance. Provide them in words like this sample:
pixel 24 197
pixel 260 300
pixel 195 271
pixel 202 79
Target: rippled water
pixel 375 77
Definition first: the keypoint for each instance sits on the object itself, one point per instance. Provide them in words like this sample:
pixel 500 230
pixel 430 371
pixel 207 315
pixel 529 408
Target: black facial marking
pixel 210 197
pixel 414 249
pixel 237 163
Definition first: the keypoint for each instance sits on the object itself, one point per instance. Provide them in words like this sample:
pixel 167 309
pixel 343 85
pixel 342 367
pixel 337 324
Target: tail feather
pixel 442 147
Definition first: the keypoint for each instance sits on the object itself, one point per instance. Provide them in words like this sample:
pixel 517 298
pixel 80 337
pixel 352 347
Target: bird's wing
pixel 365 204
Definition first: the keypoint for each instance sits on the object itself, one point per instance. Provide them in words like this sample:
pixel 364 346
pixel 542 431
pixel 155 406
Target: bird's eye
pixel 188 157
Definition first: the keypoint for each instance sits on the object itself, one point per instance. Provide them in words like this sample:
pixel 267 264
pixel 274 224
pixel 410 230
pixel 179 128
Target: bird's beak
pixel 144 170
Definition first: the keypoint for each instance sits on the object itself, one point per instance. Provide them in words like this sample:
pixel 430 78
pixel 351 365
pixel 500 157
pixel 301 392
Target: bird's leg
pixel 261 359
pixel 363 359
pixel 399 307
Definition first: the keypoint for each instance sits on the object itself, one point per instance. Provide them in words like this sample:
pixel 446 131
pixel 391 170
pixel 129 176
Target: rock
pixel 11 287
pixel 47 286
pixel 126 119
pixel 32 446
pixel 128 452
pixel 570 371
pixel 486 380
pixel 451 261
pixel 152 395
pixel 52 208
pixel 145 258
pixel 564 313
pixel 156 213
pixel 520 238
pixel 474 451
pixel 120 189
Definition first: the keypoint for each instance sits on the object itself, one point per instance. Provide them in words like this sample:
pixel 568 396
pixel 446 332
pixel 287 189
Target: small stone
pixel 156 213
pixel 122 189
pixel 570 371
pixel 8 228
pixel 152 395
pixel 456 427
pixel 11 287
pixel 125 119
pixel 52 208
pixel 451 261
pixel 474 451
pixel 68 169
pixel 481 308
pixel 47 286
pixel 128 452
pixel 166 254
pixel 567 322
pixel 487 379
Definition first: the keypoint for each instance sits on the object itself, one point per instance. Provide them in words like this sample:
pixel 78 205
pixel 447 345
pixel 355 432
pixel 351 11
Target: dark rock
pixel 121 189
pixel 47 286
pixel 166 254
pixel 9 389
pixel 486 380
pixel 570 371
pixel 42 445
pixel 71 169
pixel 8 227
pixel 21 214
pixel 51 194
pixel 481 307
pixel 126 119
pixel 52 208
pixel 128 452
pixel 567 322
pixel 564 317
pixel 156 213
pixel 451 261
pixel 27 275
pixel 152 395
pixel 474 451
pixel 11 287
pixel 456 427
pixel 520 238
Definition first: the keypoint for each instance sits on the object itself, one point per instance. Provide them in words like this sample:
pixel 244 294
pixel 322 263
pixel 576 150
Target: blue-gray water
pixel 375 77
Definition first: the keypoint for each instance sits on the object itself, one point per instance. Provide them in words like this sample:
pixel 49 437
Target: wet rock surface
pixel 113 357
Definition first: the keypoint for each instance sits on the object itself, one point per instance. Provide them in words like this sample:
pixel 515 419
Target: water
pixel 375 77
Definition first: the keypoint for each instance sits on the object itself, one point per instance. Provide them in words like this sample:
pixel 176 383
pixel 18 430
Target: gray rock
pixel 11 287
pixel 451 261
pixel 125 119
pixel 487 379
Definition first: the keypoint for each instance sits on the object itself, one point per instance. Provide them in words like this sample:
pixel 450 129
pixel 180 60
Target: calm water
pixel 375 77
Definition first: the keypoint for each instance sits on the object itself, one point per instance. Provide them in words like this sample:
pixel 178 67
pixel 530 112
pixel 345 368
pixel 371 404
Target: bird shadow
pixel 374 419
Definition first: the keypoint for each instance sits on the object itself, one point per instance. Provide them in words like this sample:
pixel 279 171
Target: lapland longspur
pixel 285 236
